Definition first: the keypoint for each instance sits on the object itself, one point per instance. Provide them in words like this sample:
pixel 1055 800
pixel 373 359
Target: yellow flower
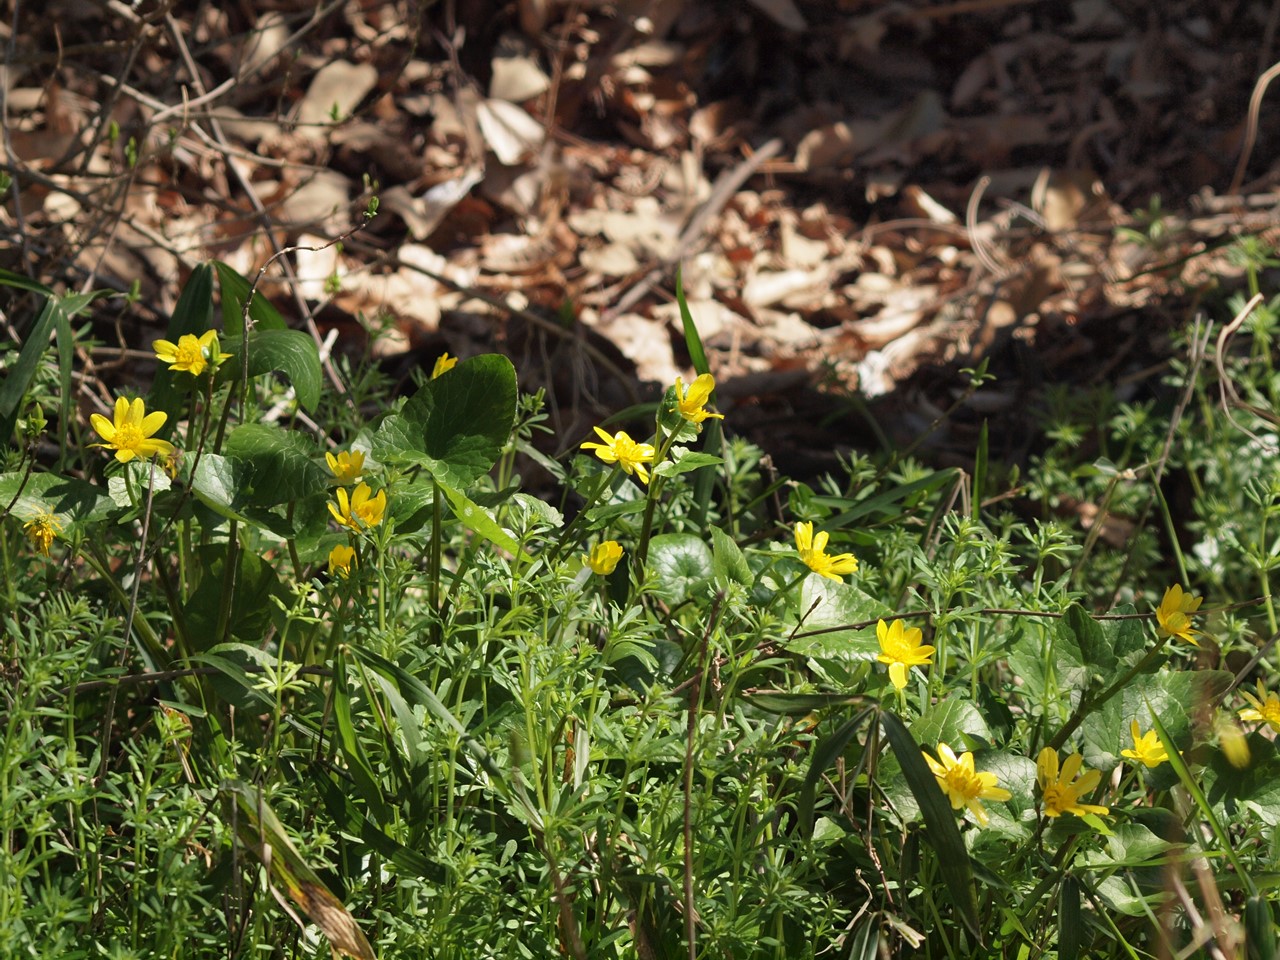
pixel 363 509
pixel 341 560
pixel 41 529
pixel 623 451
pixel 443 363
pixel 902 650
pixel 347 467
pixel 191 354
pixel 130 431
pixel 1059 793
pixel 963 785
pixel 1174 614
pixel 813 551
pixel 690 404
pixel 604 556
pixel 1147 748
pixel 1265 707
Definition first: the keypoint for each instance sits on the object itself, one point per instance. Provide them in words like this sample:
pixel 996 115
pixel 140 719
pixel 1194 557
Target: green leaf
pixel 1260 929
pixel 684 461
pixel 235 289
pixel 278 464
pixel 252 607
pixel 478 519
pixel 455 426
pixel 884 504
pixel 68 499
pixel 727 559
pixel 821 757
pixel 678 563
pixel 290 352
pixel 801 704
pixel 10 279
pixel 828 609
pixel 1079 637
pixel 954 721
pixel 691 339
pixel 939 820
pixel 358 766
pixel 1070 919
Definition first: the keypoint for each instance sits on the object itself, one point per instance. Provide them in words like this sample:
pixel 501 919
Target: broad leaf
pixel 279 464
pixel 829 610
pixel 290 352
pixel 678 563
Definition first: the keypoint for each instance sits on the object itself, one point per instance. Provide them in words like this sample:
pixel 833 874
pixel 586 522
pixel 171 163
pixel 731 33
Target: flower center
pixel 1058 798
pixel 959 781
pixel 128 437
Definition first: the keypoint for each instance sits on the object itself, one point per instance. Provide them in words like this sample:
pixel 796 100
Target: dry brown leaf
pixel 508 130
pixel 334 93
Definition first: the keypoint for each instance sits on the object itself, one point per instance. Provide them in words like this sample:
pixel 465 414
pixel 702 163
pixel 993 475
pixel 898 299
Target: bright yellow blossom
pixel 1265 707
pixel 901 649
pixel 41 530
pixel 129 433
pixel 690 404
pixel 963 785
pixel 191 354
pixel 1058 791
pixel 444 363
pixel 1174 614
pixel 347 467
pixel 1147 748
pixel 813 551
pixel 362 510
pixel 341 560
pixel 623 451
pixel 604 556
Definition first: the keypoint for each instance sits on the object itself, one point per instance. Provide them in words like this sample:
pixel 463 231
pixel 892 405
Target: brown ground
pixel 865 197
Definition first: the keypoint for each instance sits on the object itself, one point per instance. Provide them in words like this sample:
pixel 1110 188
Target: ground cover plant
pixel 288 671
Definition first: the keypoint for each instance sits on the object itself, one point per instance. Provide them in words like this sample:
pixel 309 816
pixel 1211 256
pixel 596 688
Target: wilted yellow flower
pixel 963 785
pixel 362 510
pixel 129 433
pixel 444 362
pixel 41 529
pixel 1057 789
pixel 690 404
pixel 1232 741
pixel 347 467
pixel 604 556
pixel 901 649
pixel 1174 614
pixel 191 354
pixel 1147 748
pixel 813 551
pixel 1265 707
pixel 341 559
pixel 623 451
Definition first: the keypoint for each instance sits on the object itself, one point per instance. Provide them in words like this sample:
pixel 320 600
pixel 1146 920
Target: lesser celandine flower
pixel 1147 748
pixel 691 403
pixel 901 649
pixel 444 363
pixel 1173 616
pixel 362 510
pixel 623 451
pixel 1264 708
pixel 963 785
pixel 129 432
pixel 341 559
pixel 604 556
pixel 347 467
pixel 41 530
pixel 191 354
pixel 813 551
pixel 1060 791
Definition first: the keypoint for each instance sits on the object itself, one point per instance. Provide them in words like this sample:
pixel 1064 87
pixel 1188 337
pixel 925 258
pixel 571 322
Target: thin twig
pixel 1251 126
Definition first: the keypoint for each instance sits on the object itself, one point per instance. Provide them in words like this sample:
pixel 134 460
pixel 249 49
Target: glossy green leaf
pixel 234 288
pixel 70 500
pixel 1070 919
pixel 278 465
pixel 455 426
pixel 727 559
pixel 951 721
pixel 290 352
pixel 829 610
pixel 678 564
